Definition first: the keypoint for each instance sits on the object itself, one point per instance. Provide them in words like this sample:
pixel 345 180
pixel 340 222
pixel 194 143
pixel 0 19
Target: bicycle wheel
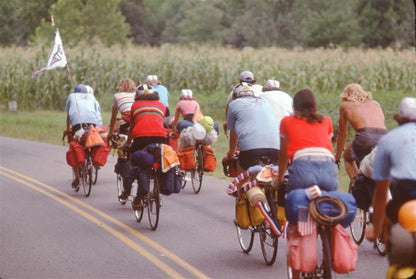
pixel 268 243
pixel 245 238
pixel 357 227
pixel 94 175
pixel 87 174
pixel 120 189
pixel 199 170
pixel 268 240
pixel 380 246
pixel 138 212
pixel 324 269
pixel 187 176
pixel 80 178
pixel 153 201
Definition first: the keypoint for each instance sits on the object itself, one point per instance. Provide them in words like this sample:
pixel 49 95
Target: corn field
pixel 210 72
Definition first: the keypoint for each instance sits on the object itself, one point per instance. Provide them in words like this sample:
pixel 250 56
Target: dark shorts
pixel 401 192
pixel 251 157
pixel 365 140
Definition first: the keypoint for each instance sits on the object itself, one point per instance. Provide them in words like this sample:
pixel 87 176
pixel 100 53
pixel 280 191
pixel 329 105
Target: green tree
pixel 202 24
pixel 403 23
pixel 375 22
pixel 21 18
pixel 138 18
pixel 86 20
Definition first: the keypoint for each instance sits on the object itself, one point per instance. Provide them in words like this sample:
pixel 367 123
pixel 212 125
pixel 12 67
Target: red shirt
pixel 147 116
pixel 301 134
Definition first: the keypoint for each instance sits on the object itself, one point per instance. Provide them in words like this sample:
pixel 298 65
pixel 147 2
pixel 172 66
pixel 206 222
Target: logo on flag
pixel 57 58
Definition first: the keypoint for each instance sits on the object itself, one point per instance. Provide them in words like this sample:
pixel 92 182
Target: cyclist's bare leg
pixel 349 162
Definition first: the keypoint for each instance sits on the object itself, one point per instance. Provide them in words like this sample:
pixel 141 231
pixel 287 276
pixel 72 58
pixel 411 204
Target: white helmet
pixel 186 93
pixel 243 89
pixel 89 90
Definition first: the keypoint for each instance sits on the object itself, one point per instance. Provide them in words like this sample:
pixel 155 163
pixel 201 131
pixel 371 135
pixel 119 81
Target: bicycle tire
pixel 268 243
pixel 187 176
pixel 380 247
pixel 87 174
pixel 245 238
pixel 199 170
pixel 95 176
pixel 138 212
pixel 153 201
pixel 120 189
pixel 358 226
pixel 324 267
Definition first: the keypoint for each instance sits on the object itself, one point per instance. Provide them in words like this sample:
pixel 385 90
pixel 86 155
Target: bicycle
pixel 152 199
pixel 88 173
pixel 267 235
pixel 361 221
pixel 324 225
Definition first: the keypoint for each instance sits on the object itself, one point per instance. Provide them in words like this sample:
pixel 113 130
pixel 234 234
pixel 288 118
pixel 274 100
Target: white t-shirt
pixel 281 103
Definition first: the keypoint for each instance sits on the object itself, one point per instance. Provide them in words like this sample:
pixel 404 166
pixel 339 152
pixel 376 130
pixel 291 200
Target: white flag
pixel 57 56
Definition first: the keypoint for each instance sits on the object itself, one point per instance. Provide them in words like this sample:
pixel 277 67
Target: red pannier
pixel 210 162
pixel 100 153
pixel 75 156
pixel 186 158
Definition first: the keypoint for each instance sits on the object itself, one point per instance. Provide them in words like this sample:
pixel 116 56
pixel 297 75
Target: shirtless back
pixel 362 115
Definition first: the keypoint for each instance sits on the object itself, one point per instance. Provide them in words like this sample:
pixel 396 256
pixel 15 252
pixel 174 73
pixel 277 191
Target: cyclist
pixel 394 168
pixel 122 102
pixel 247 77
pixel 187 107
pixel 305 145
pixel 366 117
pixel 252 126
pixel 156 84
pixel 281 102
pixel 146 127
pixel 82 110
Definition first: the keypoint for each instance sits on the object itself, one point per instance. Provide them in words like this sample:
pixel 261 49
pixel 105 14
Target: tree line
pixel 236 23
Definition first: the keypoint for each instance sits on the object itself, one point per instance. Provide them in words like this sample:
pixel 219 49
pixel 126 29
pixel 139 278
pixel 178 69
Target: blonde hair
pixel 354 92
pixel 126 85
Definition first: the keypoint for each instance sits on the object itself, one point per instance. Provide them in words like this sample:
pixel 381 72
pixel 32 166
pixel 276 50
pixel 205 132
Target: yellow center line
pixel 185 265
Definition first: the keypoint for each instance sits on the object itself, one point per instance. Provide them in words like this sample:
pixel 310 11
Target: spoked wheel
pixel 323 269
pixel 94 175
pixel 245 238
pixel 120 189
pixel 86 178
pixel 268 242
pixel 357 227
pixel 199 171
pixel 80 178
pixel 187 176
pixel 138 212
pixel 380 246
pixel 153 202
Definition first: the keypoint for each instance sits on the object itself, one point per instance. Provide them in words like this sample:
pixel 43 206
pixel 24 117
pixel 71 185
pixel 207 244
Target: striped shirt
pixel 123 101
pixel 147 116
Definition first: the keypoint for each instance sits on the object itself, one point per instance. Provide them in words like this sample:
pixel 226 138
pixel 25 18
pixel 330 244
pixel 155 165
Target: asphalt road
pixel 49 231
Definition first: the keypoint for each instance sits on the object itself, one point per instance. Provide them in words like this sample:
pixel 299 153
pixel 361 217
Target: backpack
pixel 171 181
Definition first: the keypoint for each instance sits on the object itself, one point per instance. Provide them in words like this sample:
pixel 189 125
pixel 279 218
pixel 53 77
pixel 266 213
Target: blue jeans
pixel 303 174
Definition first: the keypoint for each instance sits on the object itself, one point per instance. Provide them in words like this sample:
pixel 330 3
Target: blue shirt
pixel 163 94
pixel 253 121
pixel 83 108
pixel 396 154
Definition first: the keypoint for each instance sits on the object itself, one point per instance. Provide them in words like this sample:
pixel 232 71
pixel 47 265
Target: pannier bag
pixel 210 162
pixel 100 153
pixel 302 250
pixel 247 215
pixel 171 181
pixel 186 158
pixel 344 250
pixel 75 156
